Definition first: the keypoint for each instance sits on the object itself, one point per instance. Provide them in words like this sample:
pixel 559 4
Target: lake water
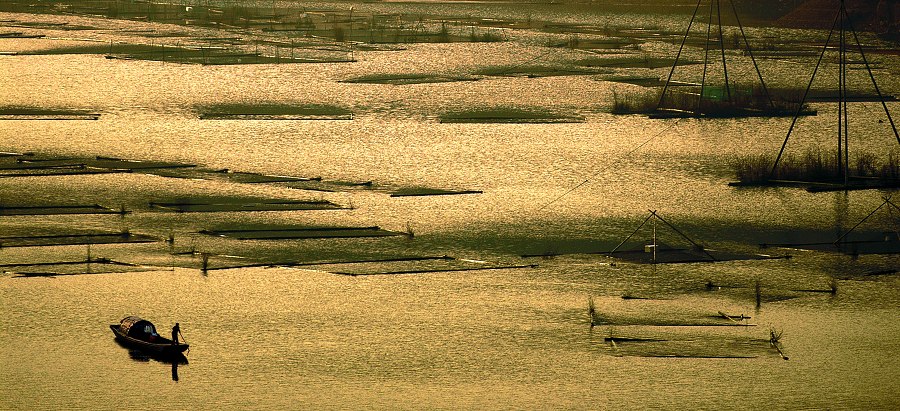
pixel 289 338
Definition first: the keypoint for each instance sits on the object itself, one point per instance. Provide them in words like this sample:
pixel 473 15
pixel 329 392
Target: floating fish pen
pixel 6 210
pixel 633 61
pixel 443 264
pixel 407 79
pixel 653 251
pixel 508 115
pixel 360 266
pixel 124 237
pixel 330 186
pixel 256 178
pixel 119 164
pixel 664 254
pixel 538 70
pixel 301 233
pixel 372 266
pixel 440 270
pixel 35 166
pixel 20 35
pixel 708 347
pixel 225 174
pixel 272 111
pixel 67 268
pixel 32 113
pixel 656 321
pixel 337 264
pixel 878 243
pixel 854 241
pixel 233 205
pixel 424 191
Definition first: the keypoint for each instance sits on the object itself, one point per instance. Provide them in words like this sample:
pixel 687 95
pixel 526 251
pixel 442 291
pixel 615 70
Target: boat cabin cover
pixel 137 327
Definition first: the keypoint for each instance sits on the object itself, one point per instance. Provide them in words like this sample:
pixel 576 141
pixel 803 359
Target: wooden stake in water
pixel 205 261
pixel 758 294
pixel 88 258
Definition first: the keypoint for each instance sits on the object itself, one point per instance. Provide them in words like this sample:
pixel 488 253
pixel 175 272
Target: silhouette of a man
pixel 175 330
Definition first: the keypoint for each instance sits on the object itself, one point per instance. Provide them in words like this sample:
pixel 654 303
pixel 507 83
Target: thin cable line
pixel 587 180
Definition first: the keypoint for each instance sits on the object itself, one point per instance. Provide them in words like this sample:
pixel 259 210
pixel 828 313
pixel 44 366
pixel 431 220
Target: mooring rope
pixel 614 162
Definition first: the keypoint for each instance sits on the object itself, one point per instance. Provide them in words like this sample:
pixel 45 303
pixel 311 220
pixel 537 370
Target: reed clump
pixel 483 37
pixel 775 336
pixel 634 102
pixel 775 341
pixel 592 312
pixel 816 165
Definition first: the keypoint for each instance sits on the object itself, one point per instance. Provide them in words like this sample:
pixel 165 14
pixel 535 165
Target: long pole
pixel 844 100
pixel 722 46
pixel 677 56
pixel 803 100
pixel 705 59
pixel 840 113
pixel 874 84
pixel 750 52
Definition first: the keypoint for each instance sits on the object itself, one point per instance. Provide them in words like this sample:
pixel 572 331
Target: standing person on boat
pixel 175 330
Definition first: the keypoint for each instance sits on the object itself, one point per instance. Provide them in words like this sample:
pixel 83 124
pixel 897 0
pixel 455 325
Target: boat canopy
pixel 134 326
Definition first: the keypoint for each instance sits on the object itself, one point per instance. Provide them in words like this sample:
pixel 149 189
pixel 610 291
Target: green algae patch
pixel 508 115
pixel 407 78
pixel 273 111
pixel 536 70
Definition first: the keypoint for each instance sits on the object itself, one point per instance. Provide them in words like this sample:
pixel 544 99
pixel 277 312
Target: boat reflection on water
pixel 175 359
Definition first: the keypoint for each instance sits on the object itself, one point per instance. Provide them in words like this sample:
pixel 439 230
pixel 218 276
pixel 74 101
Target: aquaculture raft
pixel 832 177
pixel 727 100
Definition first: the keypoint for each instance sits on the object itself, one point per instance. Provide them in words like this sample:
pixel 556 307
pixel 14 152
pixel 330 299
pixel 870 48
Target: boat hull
pixel 164 346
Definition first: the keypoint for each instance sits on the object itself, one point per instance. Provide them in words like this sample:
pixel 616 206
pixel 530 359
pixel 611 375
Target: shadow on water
pixel 174 360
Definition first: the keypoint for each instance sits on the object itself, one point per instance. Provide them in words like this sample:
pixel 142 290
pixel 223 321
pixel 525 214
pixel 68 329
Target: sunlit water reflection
pixel 282 338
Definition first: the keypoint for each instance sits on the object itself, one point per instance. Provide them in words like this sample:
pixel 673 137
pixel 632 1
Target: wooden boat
pixel 136 332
